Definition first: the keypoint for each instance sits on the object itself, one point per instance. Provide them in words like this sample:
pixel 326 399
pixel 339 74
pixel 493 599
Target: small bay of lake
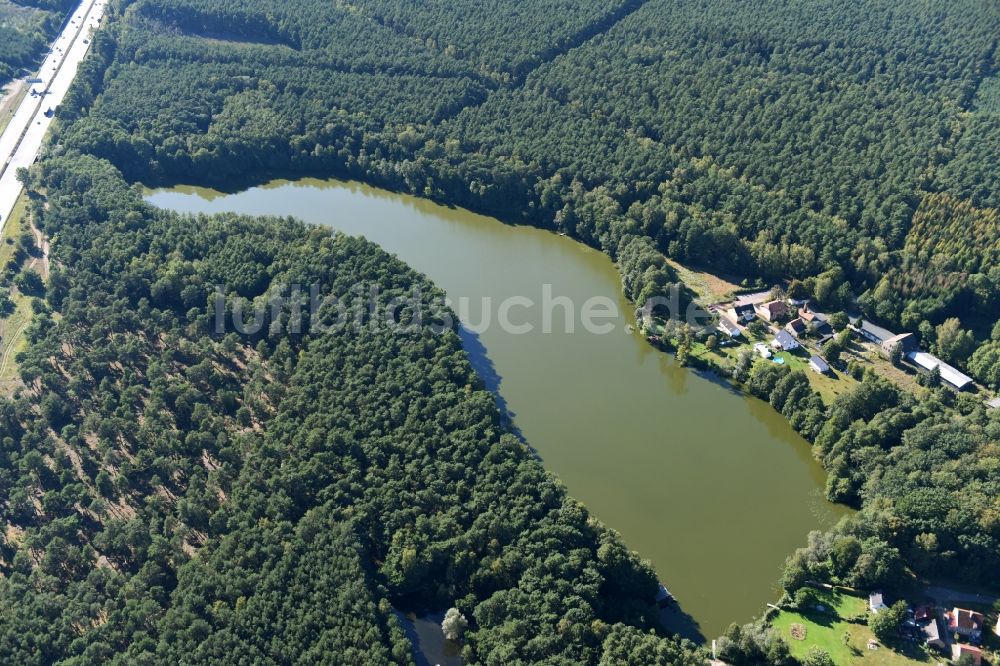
pixel 713 487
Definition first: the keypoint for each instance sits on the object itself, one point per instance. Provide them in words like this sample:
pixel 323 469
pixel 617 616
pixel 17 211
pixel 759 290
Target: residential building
pixel 784 341
pixel 773 311
pixel 875 602
pixel 870 331
pixel 931 632
pixel 821 328
pixel 818 364
pixel 966 623
pixel 927 362
pixel 729 327
pixel 958 650
pixel 907 342
pixel 796 327
pixel 762 349
pixel 993 404
pixel 743 312
pixel 809 316
pixel 817 322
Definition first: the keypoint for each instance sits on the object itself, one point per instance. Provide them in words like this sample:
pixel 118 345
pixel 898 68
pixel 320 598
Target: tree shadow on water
pixel 675 620
pixel 720 380
pixel 487 371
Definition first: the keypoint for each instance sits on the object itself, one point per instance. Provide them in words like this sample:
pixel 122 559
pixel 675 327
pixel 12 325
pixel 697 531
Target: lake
pixel 711 486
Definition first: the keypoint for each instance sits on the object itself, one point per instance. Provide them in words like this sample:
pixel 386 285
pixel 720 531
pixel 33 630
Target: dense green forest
pixel 924 472
pixel 25 29
pixel 766 140
pixel 849 145
pixel 325 478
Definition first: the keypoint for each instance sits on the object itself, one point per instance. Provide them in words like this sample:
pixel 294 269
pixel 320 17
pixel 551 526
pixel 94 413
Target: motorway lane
pixel 29 105
pixel 22 139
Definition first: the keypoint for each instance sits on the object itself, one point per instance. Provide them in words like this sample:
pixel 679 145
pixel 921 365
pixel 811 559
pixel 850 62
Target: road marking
pixel 22 140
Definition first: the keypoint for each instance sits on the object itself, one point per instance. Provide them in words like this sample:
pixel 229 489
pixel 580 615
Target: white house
pixel 818 364
pixel 784 341
pixel 727 326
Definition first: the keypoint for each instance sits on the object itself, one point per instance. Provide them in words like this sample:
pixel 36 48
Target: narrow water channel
pixel 714 488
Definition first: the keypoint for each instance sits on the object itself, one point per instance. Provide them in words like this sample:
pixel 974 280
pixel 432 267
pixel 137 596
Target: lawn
pixel 12 229
pixel 829 386
pixel 710 287
pixel 827 629
pixel 10 103
pixel 868 355
pixel 13 326
pixel 12 341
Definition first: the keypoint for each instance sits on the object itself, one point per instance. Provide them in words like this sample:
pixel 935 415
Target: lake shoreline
pixel 646 410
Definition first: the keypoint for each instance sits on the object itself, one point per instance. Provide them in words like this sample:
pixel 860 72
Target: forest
pixel 751 138
pixel 180 494
pixel 925 474
pixel 173 491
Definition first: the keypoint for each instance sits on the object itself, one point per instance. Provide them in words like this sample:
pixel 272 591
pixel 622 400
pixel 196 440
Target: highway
pixel 22 139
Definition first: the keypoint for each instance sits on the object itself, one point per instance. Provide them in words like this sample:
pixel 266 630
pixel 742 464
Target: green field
pixel 847 642
pixel 13 326
pixel 829 386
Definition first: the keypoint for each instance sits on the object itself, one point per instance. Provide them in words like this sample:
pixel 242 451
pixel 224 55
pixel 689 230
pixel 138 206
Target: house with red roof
pixel 966 623
pixel 773 311
pixel 959 650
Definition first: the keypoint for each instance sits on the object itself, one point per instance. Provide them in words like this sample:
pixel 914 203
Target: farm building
pixel 927 362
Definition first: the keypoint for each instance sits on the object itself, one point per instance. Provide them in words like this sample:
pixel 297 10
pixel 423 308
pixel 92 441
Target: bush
pixel 817 656
pixel 30 282
pixel 885 624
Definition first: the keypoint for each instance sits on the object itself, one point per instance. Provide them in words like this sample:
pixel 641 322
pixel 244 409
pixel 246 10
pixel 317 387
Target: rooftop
pixel 960 649
pixel 798 325
pixel 949 374
pixel 899 337
pixel 931 631
pixel 820 364
pixel 873 330
pixel 785 339
pixel 775 307
pixel 966 619
pixel 727 324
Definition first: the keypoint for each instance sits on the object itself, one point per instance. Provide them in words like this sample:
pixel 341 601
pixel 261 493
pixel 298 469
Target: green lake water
pixel 713 487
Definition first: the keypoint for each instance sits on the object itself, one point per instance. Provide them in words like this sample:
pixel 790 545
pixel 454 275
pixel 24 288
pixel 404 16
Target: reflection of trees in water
pixel 430 647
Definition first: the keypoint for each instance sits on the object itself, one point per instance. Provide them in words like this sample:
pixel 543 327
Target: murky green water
pixel 714 488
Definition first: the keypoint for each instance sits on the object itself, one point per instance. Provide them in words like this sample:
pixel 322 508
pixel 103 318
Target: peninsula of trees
pixel 172 491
